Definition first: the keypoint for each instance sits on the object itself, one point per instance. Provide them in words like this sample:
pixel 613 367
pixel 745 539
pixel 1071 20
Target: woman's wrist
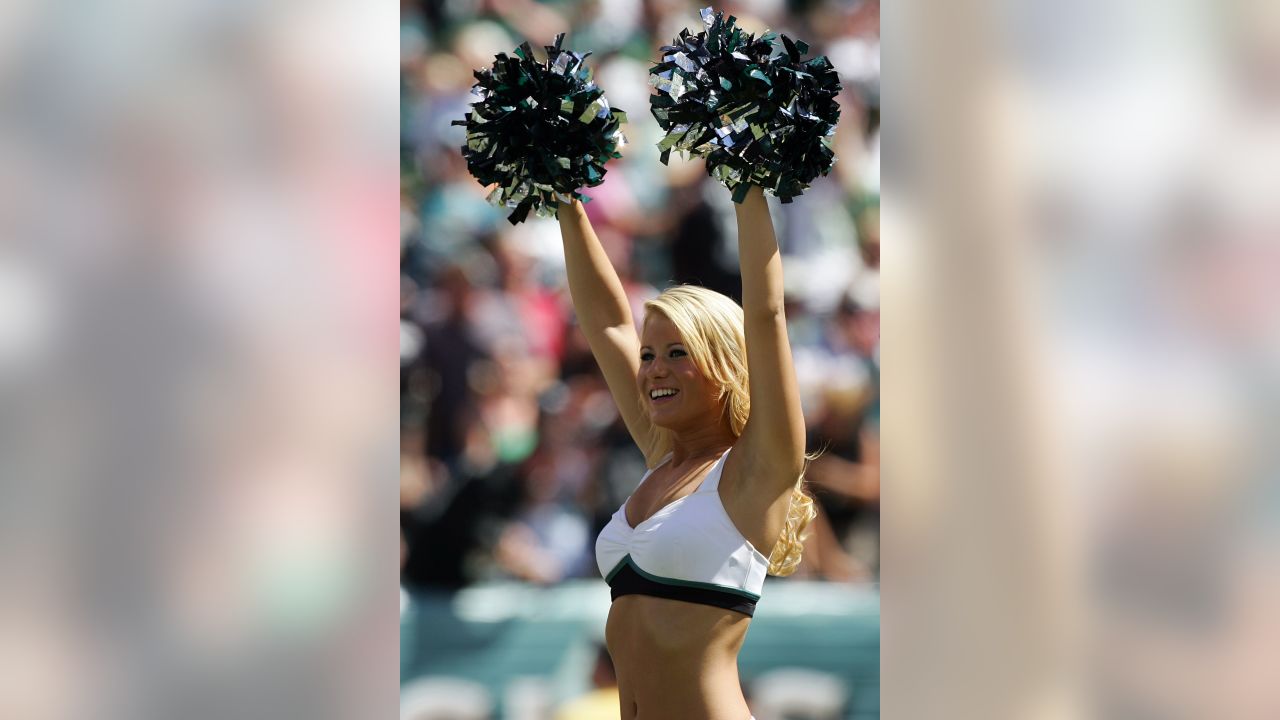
pixel 755 197
pixel 568 209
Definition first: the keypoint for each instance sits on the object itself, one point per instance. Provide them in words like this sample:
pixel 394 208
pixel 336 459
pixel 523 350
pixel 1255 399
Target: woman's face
pixel 675 391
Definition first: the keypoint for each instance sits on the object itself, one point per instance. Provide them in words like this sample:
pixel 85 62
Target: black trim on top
pixel 626 581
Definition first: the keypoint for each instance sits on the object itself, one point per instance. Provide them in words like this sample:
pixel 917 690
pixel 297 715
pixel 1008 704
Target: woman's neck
pixel 701 442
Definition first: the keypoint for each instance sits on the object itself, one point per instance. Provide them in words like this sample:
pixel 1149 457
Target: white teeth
pixel 661 392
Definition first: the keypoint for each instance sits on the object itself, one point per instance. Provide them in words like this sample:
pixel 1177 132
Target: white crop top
pixel 689 550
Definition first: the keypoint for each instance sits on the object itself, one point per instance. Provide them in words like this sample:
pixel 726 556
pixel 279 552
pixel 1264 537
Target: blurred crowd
pixel 513 455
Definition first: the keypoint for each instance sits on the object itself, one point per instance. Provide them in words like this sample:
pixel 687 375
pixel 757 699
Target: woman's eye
pixel 677 353
pixel 646 356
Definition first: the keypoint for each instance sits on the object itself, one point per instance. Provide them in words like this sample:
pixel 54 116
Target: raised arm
pixel 605 318
pixel 774 434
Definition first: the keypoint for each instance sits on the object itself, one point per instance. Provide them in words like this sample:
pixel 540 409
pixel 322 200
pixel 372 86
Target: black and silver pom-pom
pixel 758 118
pixel 539 131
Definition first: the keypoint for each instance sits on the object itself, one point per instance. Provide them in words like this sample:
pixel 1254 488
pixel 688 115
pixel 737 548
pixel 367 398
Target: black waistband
pixel 626 581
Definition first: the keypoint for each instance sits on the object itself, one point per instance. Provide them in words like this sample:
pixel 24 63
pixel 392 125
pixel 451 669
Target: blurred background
pixel 513 456
pixel 198 439
pixel 200 434
pixel 1082 348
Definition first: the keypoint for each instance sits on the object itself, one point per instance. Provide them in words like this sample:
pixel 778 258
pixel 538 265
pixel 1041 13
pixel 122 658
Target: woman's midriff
pixel 676 659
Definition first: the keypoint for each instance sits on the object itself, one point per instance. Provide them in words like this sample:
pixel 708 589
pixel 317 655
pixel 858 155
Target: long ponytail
pixel 787 553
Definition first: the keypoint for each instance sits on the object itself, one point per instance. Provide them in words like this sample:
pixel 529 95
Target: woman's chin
pixel 671 421
pixel 664 420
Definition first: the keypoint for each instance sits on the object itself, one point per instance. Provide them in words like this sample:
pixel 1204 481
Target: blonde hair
pixel 711 326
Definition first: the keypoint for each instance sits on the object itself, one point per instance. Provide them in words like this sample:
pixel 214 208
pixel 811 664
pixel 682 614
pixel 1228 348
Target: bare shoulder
pixel 764 464
pixel 750 469
pixel 756 498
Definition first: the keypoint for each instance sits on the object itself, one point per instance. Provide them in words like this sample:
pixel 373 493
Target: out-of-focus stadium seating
pixel 825 634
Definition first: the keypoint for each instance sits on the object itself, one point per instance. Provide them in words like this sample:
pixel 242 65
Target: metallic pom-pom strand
pixel 539 132
pixel 759 117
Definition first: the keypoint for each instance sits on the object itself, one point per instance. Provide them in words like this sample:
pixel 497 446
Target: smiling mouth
pixel 658 395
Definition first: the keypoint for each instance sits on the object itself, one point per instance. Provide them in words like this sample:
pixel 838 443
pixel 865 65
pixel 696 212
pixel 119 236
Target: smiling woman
pixel 702 333
pixel 721 505
pixel 680 393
